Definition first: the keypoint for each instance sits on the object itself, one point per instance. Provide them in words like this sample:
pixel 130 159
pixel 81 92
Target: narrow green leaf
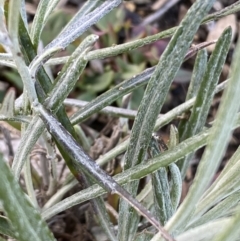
pixel 51 6
pixel 225 186
pixel 30 137
pixel 161 191
pixel 13 28
pixel 214 151
pixel 44 9
pixel 222 209
pixel 69 75
pixel 26 221
pixel 81 25
pixel 7 106
pixel 231 230
pixel 230 166
pixel 174 172
pixel 23 13
pixel 156 93
pixel 197 74
pixel 174 137
pixel 204 232
pixel 176 185
pixel 231 9
pixel 205 94
pixel 38 22
pixel 86 8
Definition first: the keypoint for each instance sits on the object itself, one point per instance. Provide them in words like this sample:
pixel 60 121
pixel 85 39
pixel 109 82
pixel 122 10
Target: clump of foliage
pixel 203 212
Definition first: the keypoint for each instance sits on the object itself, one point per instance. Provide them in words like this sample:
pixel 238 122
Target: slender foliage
pixel 26 221
pixel 205 210
pixel 154 98
pixel 205 93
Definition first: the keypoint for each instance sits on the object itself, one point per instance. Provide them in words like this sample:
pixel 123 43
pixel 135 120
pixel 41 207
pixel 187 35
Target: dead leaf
pixel 158 4
pixel 218 28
